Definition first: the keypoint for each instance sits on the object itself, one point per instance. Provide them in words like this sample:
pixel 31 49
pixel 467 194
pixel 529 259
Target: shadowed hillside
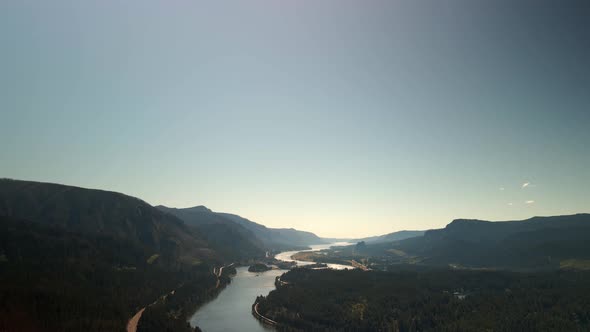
pixel 395 236
pixel 105 213
pixel 223 235
pixel 278 237
pixel 246 231
pixel 540 242
pixel 74 259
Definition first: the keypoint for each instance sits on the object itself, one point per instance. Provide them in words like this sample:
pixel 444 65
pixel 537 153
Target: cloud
pixel 510 204
pixel 529 202
pixel 502 188
pixel 526 184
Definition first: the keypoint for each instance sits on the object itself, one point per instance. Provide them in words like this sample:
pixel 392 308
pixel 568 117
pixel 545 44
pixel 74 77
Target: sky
pixel 345 118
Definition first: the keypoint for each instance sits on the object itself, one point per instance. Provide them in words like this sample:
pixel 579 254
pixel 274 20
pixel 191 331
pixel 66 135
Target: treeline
pixel 52 279
pixel 430 300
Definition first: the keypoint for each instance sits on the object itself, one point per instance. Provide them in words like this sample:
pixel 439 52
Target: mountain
pixel 395 236
pixel 54 279
pixel 539 242
pixel 223 235
pixel 279 238
pixel 109 214
pixel 257 235
pixel 74 259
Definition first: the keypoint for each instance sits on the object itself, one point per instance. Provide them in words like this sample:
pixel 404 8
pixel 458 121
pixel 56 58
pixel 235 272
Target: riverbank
pixel 172 310
pixel 261 318
pixel 293 256
pixel 233 309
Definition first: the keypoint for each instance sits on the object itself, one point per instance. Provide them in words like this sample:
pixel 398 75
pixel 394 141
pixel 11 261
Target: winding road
pixel 264 319
pixel 134 321
pixel 132 324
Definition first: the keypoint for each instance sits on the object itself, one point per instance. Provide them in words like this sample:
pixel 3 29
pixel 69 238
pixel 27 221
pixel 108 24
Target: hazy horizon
pixel 343 118
pixel 321 235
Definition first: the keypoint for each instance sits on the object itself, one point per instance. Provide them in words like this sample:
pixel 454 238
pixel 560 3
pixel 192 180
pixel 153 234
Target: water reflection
pixel 286 256
pixel 230 311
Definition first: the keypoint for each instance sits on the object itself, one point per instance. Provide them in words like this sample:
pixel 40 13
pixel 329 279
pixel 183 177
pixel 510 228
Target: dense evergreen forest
pixel 55 280
pixel 171 313
pixel 427 299
pixel 540 243
pixel 74 259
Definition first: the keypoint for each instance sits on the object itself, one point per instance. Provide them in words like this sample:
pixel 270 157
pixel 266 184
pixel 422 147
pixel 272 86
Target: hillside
pixel 75 259
pixel 99 212
pixel 395 236
pixel 54 279
pixel 246 232
pixel 532 243
pixel 223 235
pixel 278 238
pixel 536 243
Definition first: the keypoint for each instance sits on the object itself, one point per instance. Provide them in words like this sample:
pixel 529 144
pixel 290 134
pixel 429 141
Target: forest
pixel 52 279
pixel 429 299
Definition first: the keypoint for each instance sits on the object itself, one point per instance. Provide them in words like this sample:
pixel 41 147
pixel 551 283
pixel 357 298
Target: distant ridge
pixel 100 212
pixel 278 237
pixel 260 235
pixel 538 242
pixel 222 234
pixel 395 236
pixel 198 208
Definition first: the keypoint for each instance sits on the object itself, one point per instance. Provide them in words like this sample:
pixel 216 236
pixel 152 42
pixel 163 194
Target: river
pixel 230 311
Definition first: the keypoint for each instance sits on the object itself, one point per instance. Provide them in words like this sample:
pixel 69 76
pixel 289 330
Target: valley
pixel 97 260
pixel 94 259
pixel 295 166
pixel 232 309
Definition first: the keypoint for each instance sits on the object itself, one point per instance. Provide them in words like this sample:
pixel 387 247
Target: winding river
pixel 230 311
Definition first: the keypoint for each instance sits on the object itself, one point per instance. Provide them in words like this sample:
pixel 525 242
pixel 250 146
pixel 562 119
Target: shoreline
pixel 262 318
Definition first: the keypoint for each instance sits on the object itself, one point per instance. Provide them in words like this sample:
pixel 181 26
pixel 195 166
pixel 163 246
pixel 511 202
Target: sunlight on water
pixel 230 311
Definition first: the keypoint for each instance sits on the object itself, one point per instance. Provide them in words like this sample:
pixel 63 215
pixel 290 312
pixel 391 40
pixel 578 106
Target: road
pixel 264 319
pixel 132 324
pixel 134 321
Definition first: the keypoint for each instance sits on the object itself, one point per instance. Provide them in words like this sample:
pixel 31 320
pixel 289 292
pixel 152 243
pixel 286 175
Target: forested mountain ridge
pixel 91 211
pixel 55 279
pixel 245 230
pixel 482 230
pixel 395 236
pixel 278 237
pixel 75 259
pixel 224 236
pixel 532 244
pixel 539 242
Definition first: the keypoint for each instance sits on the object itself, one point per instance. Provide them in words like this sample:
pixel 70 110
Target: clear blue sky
pixel 345 118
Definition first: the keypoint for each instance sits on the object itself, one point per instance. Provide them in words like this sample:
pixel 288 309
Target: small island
pixel 326 256
pixel 315 266
pixel 259 267
pixel 285 265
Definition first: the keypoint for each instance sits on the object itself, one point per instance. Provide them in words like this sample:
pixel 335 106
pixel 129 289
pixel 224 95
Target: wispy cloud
pixel 510 204
pixel 529 202
pixel 526 184
pixel 501 188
